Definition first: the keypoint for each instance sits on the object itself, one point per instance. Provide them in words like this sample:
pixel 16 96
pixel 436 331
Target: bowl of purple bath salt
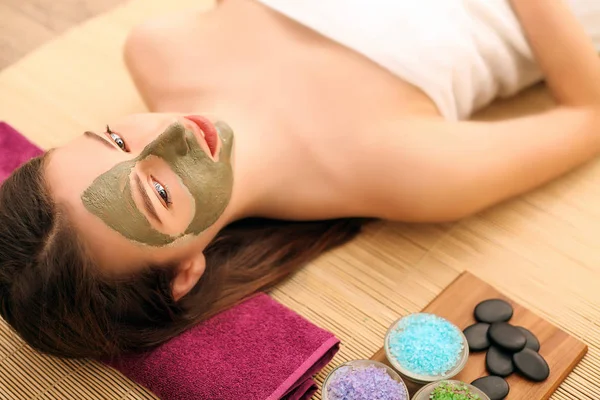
pixel 364 380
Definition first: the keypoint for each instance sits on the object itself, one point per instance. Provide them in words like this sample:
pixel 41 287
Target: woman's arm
pixel 433 170
pixel 436 171
pixel 562 49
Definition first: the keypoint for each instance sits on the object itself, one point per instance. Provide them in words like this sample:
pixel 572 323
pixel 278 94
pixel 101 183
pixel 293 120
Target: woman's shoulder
pixel 167 54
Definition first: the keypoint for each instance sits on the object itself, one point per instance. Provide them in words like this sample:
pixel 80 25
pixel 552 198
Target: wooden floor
pixel 27 24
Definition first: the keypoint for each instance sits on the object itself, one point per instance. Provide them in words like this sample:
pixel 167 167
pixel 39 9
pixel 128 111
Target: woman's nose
pixel 171 142
pixel 180 144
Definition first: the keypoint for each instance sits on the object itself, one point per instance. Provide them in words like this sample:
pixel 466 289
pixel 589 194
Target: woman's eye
pixel 120 142
pixel 117 139
pixel 162 192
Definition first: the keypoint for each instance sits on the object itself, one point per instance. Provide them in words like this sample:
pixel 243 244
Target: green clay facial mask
pixel 210 183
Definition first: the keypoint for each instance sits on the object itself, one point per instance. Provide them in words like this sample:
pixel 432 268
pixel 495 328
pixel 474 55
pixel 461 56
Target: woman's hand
pixel 562 49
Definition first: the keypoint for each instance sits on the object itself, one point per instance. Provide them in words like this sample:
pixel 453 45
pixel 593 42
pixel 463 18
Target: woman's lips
pixel 211 135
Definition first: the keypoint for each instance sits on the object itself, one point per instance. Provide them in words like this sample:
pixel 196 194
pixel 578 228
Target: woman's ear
pixel 188 274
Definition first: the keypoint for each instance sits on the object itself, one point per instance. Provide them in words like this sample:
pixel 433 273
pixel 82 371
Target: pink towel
pixel 14 150
pixel 258 350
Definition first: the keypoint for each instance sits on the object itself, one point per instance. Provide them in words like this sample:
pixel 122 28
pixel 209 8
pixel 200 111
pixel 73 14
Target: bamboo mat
pixel 27 24
pixel 542 249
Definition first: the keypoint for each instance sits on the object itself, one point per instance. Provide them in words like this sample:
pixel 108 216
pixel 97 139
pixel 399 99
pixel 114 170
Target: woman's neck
pixel 278 171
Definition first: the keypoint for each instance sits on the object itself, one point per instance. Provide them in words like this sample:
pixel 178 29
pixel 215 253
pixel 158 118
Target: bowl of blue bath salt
pixel 364 380
pixel 425 348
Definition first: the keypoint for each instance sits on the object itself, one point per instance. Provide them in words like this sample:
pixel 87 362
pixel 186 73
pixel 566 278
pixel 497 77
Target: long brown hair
pixel 52 294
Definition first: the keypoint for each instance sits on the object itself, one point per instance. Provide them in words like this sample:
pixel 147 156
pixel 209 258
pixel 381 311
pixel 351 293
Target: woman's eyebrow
pixel 99 138
pixel 146 199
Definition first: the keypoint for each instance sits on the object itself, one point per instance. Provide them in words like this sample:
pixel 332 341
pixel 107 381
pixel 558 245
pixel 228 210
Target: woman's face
pixel 149 188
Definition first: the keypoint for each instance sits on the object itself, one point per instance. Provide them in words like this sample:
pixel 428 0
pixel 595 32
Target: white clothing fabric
pixel 462 53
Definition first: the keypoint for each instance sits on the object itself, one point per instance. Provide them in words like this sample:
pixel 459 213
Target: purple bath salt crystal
pixel 364 383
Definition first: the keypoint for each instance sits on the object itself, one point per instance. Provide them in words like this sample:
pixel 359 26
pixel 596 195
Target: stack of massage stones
pixel 509 348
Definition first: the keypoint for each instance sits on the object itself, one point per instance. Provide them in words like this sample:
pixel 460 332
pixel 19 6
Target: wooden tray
pixel 561 350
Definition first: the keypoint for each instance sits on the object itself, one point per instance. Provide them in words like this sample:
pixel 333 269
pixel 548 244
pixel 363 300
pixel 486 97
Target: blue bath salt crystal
pixel 425 344
pixel 364 383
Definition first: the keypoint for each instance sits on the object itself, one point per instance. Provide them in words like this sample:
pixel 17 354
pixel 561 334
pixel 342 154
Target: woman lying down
pixel 276 128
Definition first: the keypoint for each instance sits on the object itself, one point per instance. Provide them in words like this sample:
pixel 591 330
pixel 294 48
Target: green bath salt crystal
pixel 453 391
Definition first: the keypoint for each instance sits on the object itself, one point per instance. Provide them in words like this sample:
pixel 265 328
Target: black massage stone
pixel 498 362
pixel 532 342
pixel 477 336
pixel 506 336
pixel 493 310
pixel 495 387
pixel 531 365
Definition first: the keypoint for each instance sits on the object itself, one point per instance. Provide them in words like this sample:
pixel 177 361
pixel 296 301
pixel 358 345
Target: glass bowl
pixel 425 379
pixel 425 391
pixel 361 364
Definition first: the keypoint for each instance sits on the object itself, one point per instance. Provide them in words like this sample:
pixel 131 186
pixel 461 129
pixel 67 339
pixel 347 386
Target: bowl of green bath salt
pixel 450 390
